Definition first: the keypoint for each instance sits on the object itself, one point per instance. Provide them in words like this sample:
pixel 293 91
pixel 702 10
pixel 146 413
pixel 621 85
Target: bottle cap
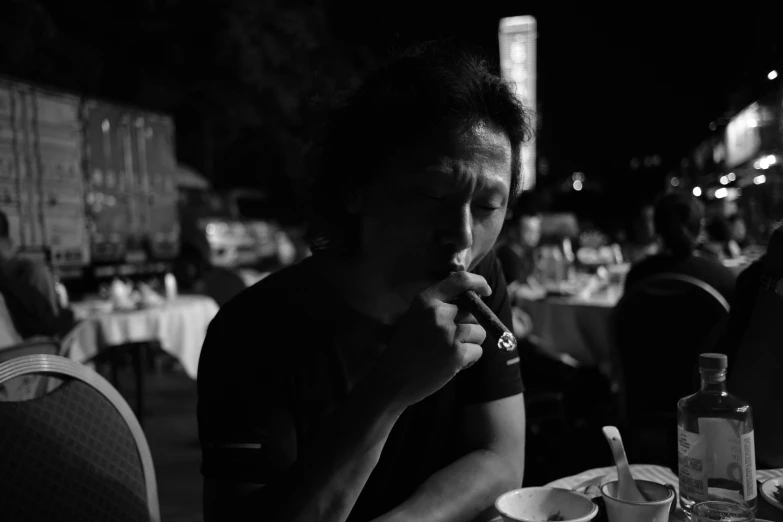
pixel 713 361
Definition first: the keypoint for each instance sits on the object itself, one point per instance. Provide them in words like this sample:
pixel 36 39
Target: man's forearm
pixel 325 481
pixel 461 491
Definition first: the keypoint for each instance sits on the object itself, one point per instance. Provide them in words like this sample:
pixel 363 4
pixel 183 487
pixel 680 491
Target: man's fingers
pixel 465 317
pixel 470 333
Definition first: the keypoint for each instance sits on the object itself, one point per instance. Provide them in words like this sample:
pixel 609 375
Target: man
pixel 679 222
pixel 349 386
pixel 28 290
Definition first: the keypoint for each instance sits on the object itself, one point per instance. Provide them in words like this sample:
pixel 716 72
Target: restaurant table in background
pixel 180 327
pixel 660 475
pixel 579 326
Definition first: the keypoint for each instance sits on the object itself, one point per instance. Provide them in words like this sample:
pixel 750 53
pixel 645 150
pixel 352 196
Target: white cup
pixel 657 509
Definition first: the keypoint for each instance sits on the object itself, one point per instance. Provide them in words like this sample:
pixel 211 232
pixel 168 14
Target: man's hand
pixel 434 341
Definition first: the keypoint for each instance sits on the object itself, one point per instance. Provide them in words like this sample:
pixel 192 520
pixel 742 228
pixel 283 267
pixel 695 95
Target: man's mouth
pixel 445 271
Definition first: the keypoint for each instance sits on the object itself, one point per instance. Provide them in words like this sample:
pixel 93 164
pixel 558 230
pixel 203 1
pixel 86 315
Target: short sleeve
pixel 241 400
pixel 496 374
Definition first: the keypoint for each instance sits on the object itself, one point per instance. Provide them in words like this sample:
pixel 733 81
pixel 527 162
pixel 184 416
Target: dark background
pixel 246 80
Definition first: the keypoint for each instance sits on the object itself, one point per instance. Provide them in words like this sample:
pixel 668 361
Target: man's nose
pixel 457 228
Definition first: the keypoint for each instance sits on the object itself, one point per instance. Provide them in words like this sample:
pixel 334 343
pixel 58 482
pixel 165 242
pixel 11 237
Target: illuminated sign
pixel 517 36
pixel 743 136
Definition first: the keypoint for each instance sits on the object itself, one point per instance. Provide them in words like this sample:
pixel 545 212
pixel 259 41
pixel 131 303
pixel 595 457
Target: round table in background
pixel 577 326
pixel 180 327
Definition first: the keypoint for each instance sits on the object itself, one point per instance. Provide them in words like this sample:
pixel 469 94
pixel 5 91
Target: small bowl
pixel 543 504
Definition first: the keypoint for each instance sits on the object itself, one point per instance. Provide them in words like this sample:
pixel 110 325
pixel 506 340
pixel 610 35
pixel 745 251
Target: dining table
pixel 575 324
pixel 662 475
pixel 179 325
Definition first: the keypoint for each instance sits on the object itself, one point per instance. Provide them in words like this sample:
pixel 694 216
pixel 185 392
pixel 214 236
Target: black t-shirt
pixel 711 272
pixel 289 342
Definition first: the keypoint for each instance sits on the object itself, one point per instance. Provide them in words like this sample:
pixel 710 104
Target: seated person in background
pixel 29 291
pixel 520 237
pixel 753 344
pixel 679 219
pixel 739 231
pixel 641 238
pixel 719 242
pixel 348 386
pixel 515 250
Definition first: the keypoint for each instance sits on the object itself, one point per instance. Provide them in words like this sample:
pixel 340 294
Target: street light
pixel 772 75
pixel 697 191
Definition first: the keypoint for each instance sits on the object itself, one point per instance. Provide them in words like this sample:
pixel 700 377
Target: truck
pixel 230 229
pixel 87 185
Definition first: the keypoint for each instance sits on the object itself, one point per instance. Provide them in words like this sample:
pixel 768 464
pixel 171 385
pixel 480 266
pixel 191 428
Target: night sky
pixel 611 84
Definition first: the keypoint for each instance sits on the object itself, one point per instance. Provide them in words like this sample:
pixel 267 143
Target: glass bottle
pixel 715 441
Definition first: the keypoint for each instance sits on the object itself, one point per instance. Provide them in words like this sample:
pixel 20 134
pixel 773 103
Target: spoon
pixel 626 487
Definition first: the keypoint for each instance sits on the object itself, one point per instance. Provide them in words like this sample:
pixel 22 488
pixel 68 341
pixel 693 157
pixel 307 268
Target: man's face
pixel 439 207
pixel 530 231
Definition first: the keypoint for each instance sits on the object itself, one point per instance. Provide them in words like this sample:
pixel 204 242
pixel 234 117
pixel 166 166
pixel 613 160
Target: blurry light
pixel 578 176
pixel 763 164
pixel 713 126
pixel 758 180
pixel 771 159
pixel 216 229
pixel 697 191
pixel 753 123
pixel 724 180
pixel 577 185
pixel 772 75
pixel 721 193
pixel 732 176
pixel 675 182
pixel 757 164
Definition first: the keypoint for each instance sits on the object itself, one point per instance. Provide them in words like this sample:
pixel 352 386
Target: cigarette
pixel 488 320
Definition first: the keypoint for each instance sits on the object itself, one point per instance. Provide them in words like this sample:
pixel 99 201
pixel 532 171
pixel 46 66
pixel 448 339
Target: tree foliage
pixel 239 76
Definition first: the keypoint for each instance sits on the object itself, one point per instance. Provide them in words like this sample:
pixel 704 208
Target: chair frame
pixel 619 377
pixel 671 276
pixel 61 366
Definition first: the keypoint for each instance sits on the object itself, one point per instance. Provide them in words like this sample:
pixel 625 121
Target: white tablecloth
pixel 180 326
pixel 662 475
pixel 577 326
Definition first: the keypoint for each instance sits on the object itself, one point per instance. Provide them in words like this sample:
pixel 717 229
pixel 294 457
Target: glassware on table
pixel 717 511
pixel 715 442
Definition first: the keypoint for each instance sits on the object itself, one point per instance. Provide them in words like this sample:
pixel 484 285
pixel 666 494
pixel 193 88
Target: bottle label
pixel 691 452
pixel 731 455
pixel 748 465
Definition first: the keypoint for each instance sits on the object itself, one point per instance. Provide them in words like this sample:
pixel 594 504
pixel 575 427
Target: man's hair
pixel 422 95
pixel 4 227
pixel 678 221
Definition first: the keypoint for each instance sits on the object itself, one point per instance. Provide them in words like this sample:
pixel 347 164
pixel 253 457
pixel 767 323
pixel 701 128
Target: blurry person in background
pixel 739 231
pixel 641 236
pixel 363 392
pixel 28 289
pixel 719 242
pixel 753 344
pixel 515 251
pixel 520 237
pixel 679 222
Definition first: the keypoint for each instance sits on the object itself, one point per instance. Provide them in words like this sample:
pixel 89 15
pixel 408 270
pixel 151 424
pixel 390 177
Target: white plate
pixel 768 487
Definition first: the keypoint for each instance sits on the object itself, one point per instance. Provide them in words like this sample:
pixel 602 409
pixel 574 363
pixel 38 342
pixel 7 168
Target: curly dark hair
pixel 426 92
